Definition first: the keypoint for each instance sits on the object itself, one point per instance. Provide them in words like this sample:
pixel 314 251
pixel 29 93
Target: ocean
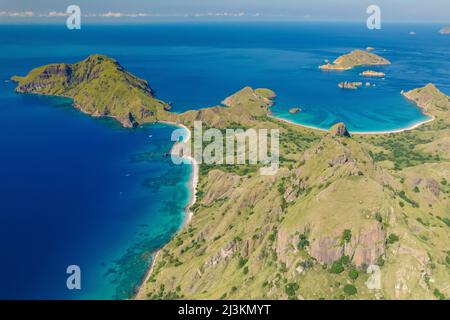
pixel 81 190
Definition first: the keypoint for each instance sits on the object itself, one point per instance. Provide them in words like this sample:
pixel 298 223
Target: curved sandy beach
pixel 193 181
pixel 412 127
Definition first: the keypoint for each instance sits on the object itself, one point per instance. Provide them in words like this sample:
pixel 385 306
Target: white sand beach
pixel 193 182
pixel 412 127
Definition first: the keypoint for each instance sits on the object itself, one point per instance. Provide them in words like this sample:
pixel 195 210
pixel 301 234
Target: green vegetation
pixel 303 242
pixel 291 290
pixel 393 238
pixel 350 289
pixel 346 236
pixel 242 262
pixel 438 294
pixel 337 267
pixel 353 274
pixel 98 86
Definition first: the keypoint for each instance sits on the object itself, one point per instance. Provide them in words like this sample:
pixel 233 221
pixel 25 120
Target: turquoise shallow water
pixel 84 191
pixel 78 190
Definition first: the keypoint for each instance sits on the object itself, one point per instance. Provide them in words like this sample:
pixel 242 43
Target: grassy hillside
pixel 310 232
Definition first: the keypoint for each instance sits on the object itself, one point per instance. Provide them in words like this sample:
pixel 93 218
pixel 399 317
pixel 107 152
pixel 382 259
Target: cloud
pixel 223 14
pixel 110 14
pixel 22 14
pixel 57 14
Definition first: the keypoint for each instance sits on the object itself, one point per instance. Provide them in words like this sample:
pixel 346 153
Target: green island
pixel 99 86
pixel 355 58
pixel 339 203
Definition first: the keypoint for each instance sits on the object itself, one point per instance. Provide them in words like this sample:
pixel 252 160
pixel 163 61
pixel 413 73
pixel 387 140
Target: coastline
pixel 411 127
pixel 193 182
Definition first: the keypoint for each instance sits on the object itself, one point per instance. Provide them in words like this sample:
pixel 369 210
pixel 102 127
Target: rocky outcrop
pixel 339 160
pixel 433 186
pixel 223 255
pixel 339 130
pixel 326 250
pixel 364 248
pixel 370 73
pixel 367 246
pixel 294 110
pixel 350 85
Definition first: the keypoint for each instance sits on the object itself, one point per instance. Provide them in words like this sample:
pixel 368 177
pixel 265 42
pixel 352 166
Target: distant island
pixel 354 59
pixel 445 30
pixel 370 73
pixel 340 202
pixel 350 85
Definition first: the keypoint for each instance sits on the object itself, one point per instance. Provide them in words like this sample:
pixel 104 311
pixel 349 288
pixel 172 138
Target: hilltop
pixel 355 58
pixel 99 86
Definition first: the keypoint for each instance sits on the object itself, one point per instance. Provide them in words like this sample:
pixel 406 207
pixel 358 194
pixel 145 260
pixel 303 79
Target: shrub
pixel 242 262
pixel 378 217
pixel 345 260
pixel 353 274
pixel 392 238
pixel 303 242
pixel 350 289
pixel 446 221
pixel 347 235
pixel 438 294
pixel 336 267
pixel 291 289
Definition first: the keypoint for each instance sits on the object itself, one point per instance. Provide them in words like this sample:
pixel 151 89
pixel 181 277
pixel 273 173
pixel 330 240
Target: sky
pixel 147 10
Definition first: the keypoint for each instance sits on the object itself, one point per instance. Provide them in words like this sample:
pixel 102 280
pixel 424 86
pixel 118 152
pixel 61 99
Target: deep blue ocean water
pixel 79 190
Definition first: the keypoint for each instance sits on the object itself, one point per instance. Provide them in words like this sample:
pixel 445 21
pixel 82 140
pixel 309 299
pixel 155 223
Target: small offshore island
pixel 273 237
pixel 355 58
pixel 350 85
pixel 370 73
pixel 445 30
